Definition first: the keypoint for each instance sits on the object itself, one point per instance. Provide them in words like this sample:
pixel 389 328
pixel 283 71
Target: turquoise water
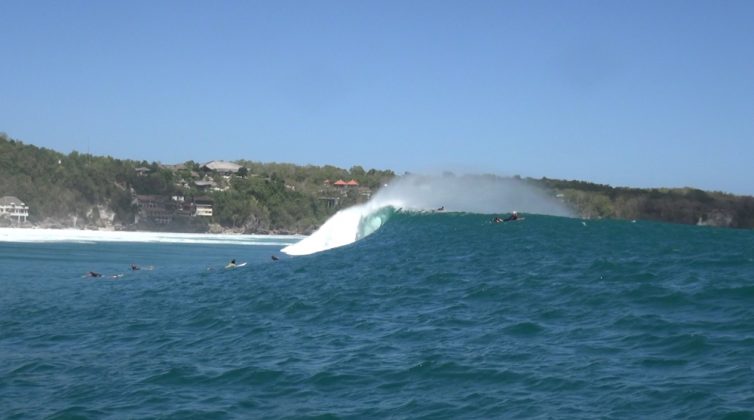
pixel 432 316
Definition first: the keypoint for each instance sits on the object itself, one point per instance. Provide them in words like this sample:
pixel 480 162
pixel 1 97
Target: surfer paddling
pixel 231 264
pixel 513 217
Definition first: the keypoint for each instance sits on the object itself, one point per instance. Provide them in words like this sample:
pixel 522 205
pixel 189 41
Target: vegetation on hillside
pixel 262 197
pixel 677 205
pixel 95 191
pixel 57 186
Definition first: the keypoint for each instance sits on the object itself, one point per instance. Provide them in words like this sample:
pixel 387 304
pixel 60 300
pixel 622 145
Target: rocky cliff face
pixel 96 217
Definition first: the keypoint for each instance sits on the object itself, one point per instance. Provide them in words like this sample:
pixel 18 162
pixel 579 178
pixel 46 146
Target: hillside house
pixel 203 206
pixel 155 208
pixel 13 207
pixel 222 167
pixel 340 183
pixel 205 185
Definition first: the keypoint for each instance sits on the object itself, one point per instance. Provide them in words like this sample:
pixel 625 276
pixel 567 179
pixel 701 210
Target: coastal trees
pixel 677 205
pixel 284 197
pixel 232 209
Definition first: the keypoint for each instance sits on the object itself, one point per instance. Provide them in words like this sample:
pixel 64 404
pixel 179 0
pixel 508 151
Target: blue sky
pixel 628 93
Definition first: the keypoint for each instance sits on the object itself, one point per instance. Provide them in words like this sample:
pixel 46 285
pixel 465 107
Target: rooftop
pixel 9 200
pixel 222 166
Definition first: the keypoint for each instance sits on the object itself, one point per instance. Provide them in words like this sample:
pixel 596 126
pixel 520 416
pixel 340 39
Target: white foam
pixel 93 236
pixel 345 227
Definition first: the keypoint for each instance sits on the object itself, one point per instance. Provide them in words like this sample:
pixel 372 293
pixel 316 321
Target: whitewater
pixel 20 235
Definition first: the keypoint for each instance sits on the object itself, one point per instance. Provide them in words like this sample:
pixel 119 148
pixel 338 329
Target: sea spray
pixel 483 194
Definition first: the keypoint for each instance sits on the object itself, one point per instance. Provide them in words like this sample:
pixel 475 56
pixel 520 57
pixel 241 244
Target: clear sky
pixel 628 93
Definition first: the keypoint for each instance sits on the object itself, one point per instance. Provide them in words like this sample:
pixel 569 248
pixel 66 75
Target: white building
pixel 203 207
pixel 14 207
pixel 203 210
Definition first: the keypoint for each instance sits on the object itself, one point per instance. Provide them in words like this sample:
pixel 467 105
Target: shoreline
pixel 214 230
pixel 39 235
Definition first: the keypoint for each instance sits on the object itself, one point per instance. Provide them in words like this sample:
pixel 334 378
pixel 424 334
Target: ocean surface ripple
pixel 432 316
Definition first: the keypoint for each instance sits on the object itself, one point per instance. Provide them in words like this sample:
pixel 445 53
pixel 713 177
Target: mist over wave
pixel 485 194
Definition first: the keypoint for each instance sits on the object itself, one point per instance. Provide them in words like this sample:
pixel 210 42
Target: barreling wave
pixel 345 227
pixel 468 194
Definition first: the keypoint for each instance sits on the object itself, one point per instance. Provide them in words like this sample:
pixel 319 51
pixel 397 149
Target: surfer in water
pixel 511 218
pixel 231 264
pixel 134 267
pixel 93 274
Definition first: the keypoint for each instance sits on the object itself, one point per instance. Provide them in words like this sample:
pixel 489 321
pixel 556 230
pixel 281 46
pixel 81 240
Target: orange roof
pixel 340 182
pixel 352 182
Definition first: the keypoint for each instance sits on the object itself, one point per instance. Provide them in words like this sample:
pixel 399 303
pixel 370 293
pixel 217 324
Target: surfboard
pixel 229 267
pixel 506 221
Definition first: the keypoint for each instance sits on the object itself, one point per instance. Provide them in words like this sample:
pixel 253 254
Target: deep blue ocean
pixel 432 316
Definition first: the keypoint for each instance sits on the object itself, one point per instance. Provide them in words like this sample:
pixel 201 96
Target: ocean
pixel 432 315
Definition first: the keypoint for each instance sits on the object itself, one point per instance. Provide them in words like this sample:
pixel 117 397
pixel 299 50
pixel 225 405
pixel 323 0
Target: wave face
pixel 413 193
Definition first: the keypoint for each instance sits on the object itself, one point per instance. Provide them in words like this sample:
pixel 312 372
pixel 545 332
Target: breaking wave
pixel 345 227
pixel 413 193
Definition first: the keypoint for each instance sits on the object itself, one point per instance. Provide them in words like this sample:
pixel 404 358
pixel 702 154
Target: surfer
pixel 134 267
pixel 93 274
pixel 231 264
pixel 274 258
pixel 442 208
pixel 511 218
